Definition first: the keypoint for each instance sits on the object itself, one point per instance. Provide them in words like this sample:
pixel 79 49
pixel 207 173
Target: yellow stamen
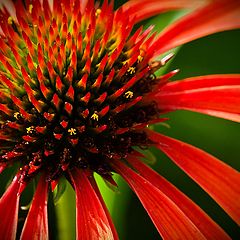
pixel 72 131
pixel 30 8
pixel 131 70
pixel 10 20
pixel 140 58
pixel 129 94
pixel 30 129
pixel 16 115
pixel 95 116
pixel 98 11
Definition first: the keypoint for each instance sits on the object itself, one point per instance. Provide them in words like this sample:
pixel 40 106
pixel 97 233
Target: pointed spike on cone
pixel 69 75
pixel 70 93
pixel 109 78
pixel 101 98
pixel 56 101
pixel 98 82
pixel 104 111
pixel 86 98
pixel 83 82
pixel 68 107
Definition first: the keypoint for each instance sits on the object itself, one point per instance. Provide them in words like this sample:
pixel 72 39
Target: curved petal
pixel 96 189
pixel 202 82
pixel 92 221
pixel 217 95
pixel 143 9
pixel 36 224
pixel 199 218
pixel 218 179
pixel 9 204
pixel 217 16
pixel 169 220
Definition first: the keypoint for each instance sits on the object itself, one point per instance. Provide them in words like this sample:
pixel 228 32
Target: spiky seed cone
pixel 75 88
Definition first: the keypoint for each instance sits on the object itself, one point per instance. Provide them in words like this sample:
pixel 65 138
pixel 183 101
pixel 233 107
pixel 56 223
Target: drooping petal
pixel 217 16
pixel 96 189
pixel 200 219
pixel 143 9
pixel 216 95
pixel 9 204
pixel 218 179
pixel 92 221
pixel 36 224
pixel 168 218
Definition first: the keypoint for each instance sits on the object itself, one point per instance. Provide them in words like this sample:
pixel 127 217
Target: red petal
pixel 92 220
pixel 219 180
pixel 200 219
pixel 9 204
pixel 93 183
pixel 36 224
pixel 169 220
pixel 143 9
pixel 217 16
pixel 216 95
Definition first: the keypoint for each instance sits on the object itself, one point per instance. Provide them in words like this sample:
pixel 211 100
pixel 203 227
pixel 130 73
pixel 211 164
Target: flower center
pixel 73 89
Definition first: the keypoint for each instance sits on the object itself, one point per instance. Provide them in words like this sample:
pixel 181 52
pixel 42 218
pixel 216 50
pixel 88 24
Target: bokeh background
pixel 218 53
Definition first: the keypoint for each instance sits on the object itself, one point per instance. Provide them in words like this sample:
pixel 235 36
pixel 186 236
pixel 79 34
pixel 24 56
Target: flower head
pixel 78 91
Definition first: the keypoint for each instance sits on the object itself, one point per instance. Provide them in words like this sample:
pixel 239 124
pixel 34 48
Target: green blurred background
pixel 218 53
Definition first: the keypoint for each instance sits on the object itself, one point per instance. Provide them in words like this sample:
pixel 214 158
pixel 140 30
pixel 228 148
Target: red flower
pixel 77 93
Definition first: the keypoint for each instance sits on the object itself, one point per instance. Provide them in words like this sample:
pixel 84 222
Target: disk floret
pixel 74 88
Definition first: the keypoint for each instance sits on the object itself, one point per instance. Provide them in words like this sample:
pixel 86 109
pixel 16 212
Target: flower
pixel 78 92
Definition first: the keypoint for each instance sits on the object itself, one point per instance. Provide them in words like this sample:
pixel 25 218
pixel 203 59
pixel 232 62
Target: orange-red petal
pixel 92 221
pixel 36 223
pixel 167 217
pixel 143 9
pixel 217 16
pixel 9 204
pixel 218 179
pixel 216 95
pixel 199 218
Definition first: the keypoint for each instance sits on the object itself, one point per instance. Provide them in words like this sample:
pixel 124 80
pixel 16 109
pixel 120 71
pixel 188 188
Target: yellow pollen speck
pixel 95 116
pixel 10 20
pixel 131 70
pixel 16 115
pixel 140 58
pixel 20 169
pixel 30 129
pixel 72 131
pixel 30 8
pixel 98 11
pixel 129 94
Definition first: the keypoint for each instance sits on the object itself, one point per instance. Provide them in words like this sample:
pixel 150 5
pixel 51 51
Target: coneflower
pixel 77 94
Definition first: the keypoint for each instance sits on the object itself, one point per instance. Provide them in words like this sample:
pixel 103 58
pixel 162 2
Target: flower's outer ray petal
pixel 9 204
pixel 217 16
pixel 92 222
pixel 202 82
pixel 169 220
pixel 36 223
pixel 200 219
pixel 216 95
pixel 219 180
pixel 96 189
pixel 140 10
